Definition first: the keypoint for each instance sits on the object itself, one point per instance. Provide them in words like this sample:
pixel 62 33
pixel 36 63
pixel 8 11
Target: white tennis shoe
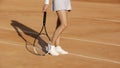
pixel 52 50
pixel 60 50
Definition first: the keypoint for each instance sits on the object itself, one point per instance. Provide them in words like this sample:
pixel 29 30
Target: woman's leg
pixel 61 25
pixel 58 39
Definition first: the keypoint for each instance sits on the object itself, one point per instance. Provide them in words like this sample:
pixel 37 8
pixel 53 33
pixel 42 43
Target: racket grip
pixel 44 18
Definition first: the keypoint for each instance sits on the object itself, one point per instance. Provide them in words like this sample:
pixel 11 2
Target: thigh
pixel 62 15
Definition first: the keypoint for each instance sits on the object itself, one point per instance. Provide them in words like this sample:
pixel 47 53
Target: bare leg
pixel 61 25
pixel 58 39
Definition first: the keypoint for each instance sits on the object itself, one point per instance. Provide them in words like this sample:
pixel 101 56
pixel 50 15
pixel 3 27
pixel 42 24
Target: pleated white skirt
pixel 61 5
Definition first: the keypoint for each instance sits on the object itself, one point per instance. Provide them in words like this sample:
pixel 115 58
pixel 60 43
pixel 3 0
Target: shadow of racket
pixel 38 46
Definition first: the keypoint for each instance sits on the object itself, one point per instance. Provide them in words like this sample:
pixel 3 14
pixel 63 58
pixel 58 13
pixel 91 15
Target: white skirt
pixel 61 5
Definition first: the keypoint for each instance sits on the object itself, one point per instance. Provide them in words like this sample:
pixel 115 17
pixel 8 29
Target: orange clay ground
pixel 92 36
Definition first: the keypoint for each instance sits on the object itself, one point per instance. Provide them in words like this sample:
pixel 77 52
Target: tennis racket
pixel 40 42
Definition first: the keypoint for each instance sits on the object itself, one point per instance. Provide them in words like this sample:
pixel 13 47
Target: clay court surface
pixel 92 36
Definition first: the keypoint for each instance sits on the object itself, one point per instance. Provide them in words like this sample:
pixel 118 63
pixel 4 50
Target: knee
pixel 64 25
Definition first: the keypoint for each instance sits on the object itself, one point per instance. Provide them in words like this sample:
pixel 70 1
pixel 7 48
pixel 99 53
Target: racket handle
pixel 44 18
